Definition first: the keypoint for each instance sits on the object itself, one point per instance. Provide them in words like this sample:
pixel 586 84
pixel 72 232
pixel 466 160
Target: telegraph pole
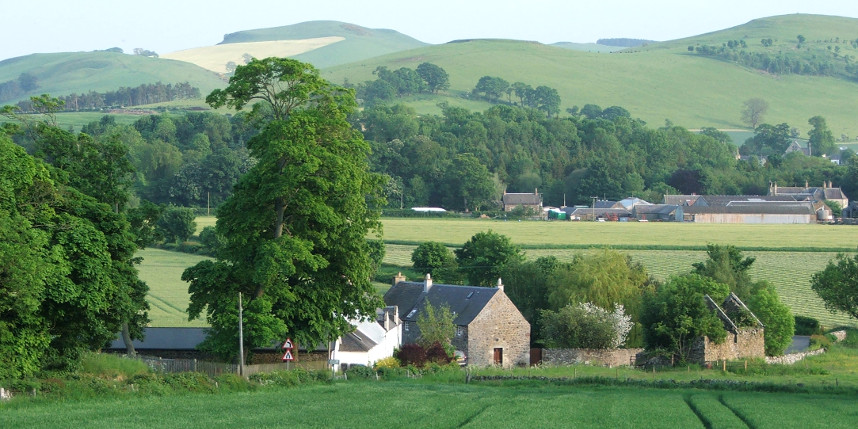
pixel 240 337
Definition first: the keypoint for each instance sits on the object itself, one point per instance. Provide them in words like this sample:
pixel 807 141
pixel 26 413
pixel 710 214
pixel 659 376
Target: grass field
pixel 438 405
pixel 168 294
pixel 786 255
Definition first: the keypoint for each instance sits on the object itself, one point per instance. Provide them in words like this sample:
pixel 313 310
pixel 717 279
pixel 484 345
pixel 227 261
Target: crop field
pixel 439 405
pixel 665 249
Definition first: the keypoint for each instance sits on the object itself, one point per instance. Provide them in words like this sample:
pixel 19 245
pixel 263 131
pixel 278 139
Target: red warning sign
pixel 288 356
pixel 288 344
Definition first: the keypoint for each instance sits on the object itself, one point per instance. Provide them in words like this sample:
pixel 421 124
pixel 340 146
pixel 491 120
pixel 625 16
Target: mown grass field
pixel 786 255
pixel 168 294
pixel 438 405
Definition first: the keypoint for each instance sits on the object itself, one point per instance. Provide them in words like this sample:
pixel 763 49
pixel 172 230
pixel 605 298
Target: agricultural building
pixel 745 334
pixel 826 192
pixel 658 212
pixel 489 328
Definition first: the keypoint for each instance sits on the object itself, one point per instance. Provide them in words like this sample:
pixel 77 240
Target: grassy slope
pixel 658 82
pixel 81 72
pixel 360 43
pixel 168 294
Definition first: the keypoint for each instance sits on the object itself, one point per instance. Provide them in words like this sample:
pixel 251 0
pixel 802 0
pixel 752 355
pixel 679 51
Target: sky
pixel 163 26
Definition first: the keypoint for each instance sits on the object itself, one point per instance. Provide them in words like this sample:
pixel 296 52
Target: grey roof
pixel 605 204
pixel 515 199
pixel 466 302
pixel 834 194
pixel 725 200
pixel 166 339
pixel 681 200
pixel 586 211
pixel 762 207
pixel 664 209
pixel 356 341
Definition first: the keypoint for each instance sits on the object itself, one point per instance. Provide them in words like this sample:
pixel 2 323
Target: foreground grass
pixel 417 404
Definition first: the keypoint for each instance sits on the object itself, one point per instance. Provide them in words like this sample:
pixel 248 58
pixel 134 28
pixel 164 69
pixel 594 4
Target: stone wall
pixel 499 326
pixel 604 357
pixel 792 357
pixel 747 343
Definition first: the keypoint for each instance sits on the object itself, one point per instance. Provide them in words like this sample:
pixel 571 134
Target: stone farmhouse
pixel 744 340
pixel 528 201
pixel 816 194
pixel 489 328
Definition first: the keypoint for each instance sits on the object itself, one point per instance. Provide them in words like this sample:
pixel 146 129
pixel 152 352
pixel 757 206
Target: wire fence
pixel 213 369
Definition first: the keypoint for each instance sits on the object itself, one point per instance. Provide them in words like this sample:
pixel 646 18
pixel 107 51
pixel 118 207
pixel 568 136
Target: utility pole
pixel 593 210
pixel 240 337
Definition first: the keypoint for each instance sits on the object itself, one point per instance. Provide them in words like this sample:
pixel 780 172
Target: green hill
pixel 66 73
pixel 657 82
pixel 360 43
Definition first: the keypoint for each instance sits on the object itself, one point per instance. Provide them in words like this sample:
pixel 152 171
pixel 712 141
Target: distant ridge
pixel 625 43
pixel 360 42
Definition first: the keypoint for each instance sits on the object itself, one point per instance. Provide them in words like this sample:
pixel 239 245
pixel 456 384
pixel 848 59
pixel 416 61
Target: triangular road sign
pixel 288 356
pixel 288 344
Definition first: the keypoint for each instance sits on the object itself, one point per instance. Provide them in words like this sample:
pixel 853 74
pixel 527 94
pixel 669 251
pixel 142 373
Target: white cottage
pixel 370 341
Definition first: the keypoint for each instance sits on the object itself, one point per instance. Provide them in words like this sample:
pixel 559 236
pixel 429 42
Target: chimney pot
pixel 427 284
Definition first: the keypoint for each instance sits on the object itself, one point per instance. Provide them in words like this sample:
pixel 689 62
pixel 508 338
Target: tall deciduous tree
pixel 295 227
pixel 753 111
pixel 837 285
pixel 484 256
pixel 436 77
pixel 821 139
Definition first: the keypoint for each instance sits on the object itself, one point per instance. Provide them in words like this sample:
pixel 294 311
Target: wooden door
pixel 499 356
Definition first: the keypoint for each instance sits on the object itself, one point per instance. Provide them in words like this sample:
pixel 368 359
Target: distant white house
pixel 370 341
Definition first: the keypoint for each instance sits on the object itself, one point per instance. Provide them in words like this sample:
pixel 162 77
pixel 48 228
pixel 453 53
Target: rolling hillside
pixel 66 73
pixel 655 82
pixel 688 90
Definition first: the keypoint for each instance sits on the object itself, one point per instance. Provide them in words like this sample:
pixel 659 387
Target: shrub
pixel 807 326
pixel 360 372
pixel 438 354
pixel 411 354
pixel 819 342
pixel 585 326
pixel 388 362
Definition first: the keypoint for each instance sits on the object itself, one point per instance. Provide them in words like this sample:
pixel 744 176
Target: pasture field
pixel 168 294
pixel 440 405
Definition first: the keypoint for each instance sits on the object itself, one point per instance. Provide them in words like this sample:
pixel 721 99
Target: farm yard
pixel 786 255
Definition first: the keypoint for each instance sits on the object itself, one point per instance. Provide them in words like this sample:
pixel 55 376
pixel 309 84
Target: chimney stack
pixel 427 284
pixel 398 278
pixel 500 284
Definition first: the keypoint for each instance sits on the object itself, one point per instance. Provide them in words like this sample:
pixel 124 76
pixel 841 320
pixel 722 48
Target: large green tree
pixel 821 139
pixel 436 77
pixel 676 314
pixel 483 257
pixel 837 285
pixel 295 228
pixel 64 290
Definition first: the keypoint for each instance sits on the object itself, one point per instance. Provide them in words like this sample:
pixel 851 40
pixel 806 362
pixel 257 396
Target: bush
pixel 388 362
pixel 585 326
pixel 360 372
pixel 411 354
pixel 438 354
pixel 807 326
pixel 819 342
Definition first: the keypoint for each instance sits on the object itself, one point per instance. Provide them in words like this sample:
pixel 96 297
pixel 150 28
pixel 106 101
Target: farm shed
pixel 489 328
pixel 754 212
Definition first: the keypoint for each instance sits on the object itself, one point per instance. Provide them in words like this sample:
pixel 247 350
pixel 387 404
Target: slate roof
pixel 166 339
pixel 466 302
pixel 725 200
pixel 681 200
pixel 516 199
pixel 662 209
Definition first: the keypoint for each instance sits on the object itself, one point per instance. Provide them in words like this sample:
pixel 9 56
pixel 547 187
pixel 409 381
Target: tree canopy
pixel 294 228
pixel 837 285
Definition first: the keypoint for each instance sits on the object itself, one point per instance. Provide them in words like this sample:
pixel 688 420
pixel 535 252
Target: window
pixel 460 330
pixel 405 326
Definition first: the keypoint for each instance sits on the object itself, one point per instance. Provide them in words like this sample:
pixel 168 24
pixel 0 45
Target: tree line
pixel 123 97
